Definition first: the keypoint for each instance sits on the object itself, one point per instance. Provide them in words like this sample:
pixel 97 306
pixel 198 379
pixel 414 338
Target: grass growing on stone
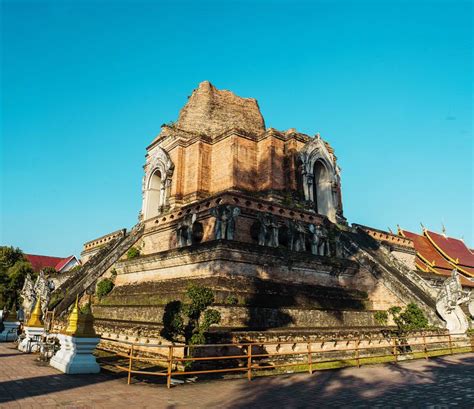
pixel 342 363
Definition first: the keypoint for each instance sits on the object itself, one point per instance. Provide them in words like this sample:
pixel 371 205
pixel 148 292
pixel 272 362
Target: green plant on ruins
pixel 190 322
pixel 381 317
pixel 132 253
pixel 231 300
pixel 104 287
pixel 411 318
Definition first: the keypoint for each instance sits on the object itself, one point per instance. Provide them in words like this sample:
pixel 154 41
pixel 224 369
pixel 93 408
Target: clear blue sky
pixel 86 86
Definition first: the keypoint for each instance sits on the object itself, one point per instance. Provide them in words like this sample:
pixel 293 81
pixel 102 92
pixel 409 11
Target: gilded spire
pixel 73 319
pixel 35 317
pixel 81 324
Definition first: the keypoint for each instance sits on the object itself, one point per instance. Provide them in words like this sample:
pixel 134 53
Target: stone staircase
pixel 85 277
pixel 398 278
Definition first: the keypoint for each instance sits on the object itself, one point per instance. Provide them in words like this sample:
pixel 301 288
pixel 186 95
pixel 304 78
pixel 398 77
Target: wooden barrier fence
pixel 252 358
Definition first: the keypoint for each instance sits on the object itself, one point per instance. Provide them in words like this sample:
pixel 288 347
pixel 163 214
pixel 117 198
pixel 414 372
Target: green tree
pixel 190 321
pixel 13 270
pixel 412 318
pixel 9 256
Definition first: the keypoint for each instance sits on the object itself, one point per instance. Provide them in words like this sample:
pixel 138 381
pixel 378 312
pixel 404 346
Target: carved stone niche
pixel 189 231
pixel 265 230
pixel 320 179
pixel 224 226
pixel 156 183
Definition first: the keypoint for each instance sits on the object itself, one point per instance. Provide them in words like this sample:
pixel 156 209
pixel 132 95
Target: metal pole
pixel 130 366
pixel 395 353
pixel 249 362
pixel 170 366
pixel 310 358
pixel 358 352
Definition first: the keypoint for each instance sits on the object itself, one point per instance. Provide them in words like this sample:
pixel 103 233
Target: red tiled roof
pixel 63 263
pixel 40 262
pixel 423 268
pixel 426 251
pixel 453 249
pixel 468 270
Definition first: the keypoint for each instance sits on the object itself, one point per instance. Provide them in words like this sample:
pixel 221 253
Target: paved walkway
pixel 437 383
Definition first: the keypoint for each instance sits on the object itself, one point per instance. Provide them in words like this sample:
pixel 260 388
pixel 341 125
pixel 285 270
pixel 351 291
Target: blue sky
pixel 86 86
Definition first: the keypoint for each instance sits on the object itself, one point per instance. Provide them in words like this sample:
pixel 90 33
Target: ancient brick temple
pixel 254 213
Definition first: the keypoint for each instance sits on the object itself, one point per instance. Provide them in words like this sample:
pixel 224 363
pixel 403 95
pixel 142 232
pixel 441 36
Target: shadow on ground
pixel 438 383
pixel 17 389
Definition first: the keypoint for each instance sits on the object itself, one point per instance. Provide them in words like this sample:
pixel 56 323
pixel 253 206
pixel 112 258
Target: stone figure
pixel 319 240
pixel 28 294
pixel 448 304
pixel 43 288
pixel 268 230
pixel 471 305
pixel 184 230
pixel 225 221
pixel 296 236
pixel 338 246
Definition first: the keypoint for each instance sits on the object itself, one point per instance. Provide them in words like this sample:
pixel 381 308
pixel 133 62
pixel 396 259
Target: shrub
pixel 132 253
pixel 190 321
pixel 104 287
pixel 411 318
pixel 231 300
pixel 381 317
pixel 75 269
pixel 48 271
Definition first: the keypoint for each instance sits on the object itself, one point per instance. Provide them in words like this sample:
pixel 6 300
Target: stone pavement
pixel 437 383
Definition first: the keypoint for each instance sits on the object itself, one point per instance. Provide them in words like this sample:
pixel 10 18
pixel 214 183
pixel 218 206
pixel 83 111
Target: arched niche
pixel 154 193
pixel 320 178
pixel 156 183
pixel 322 192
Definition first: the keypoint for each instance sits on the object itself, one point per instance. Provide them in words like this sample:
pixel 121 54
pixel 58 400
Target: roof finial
pixel 390 230
pixel 443 229
pixel 423 227
pixel 399 230
pixel 318 136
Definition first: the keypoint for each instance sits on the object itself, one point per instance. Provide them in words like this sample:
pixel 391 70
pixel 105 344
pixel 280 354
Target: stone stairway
pixel 398 278
pixel 85 277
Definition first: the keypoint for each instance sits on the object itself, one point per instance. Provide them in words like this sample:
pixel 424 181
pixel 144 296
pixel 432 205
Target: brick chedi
pixel 220 143
pixel 254 213
pixel 211 112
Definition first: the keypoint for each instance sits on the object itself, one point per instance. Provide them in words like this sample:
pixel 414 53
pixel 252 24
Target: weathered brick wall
pixel 211 111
